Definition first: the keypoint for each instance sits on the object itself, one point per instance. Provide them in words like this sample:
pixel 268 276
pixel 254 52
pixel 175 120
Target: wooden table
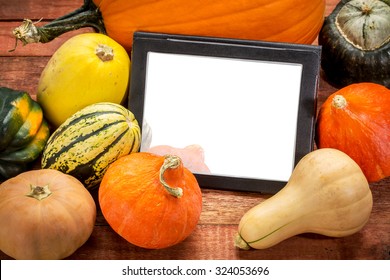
pixel 222 210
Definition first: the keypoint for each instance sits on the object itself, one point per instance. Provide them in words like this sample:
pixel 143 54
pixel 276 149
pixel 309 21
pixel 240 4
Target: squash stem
pixel 39 192
pixel 86 16
pixel 240 242
pixel 170 162
pixel 339 102
pixel 88 5
pixel 104 53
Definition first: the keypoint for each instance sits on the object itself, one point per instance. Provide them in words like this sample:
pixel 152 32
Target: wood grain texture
pixel 222 210
pixel 36 10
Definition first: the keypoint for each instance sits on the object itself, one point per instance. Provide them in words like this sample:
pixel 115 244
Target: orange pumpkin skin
pixel 51 228
pixel 280 21
pixel 138 207
pixel 361 129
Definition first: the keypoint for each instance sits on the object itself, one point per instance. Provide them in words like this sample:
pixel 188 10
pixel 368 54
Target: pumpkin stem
pixel 366 10
pixel 170 162
pixel 86 16
pixel 339 102
pixel 39 192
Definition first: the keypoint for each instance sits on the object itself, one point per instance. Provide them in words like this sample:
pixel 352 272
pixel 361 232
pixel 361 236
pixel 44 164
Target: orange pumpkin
pixel 283 21
pixel 356 120
pixel 44 214
pixel 151 201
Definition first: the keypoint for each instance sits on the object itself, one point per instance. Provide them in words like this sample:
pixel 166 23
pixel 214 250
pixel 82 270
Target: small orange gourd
pixel 151 201
pixel 268 20
pixel 356 120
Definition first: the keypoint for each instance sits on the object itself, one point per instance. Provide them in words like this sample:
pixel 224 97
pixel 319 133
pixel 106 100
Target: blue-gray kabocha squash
pixel 92 138
pixel 355 40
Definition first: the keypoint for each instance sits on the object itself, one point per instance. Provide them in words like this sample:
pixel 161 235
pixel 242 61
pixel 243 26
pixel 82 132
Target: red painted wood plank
pixel 46 9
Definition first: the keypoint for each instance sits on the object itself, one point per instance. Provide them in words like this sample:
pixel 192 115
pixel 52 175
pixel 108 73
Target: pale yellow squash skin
pixel 327 194
pixel 76 76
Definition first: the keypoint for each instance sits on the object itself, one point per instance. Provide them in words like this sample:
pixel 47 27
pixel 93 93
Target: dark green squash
pixel 14 108
pixel 30 151
pixel 11 169
pixel 23 131
pixel 355 40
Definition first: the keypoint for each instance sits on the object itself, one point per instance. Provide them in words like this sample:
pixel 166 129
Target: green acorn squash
pixel 23 131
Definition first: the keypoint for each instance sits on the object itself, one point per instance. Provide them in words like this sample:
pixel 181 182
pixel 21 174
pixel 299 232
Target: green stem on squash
pixel 170 162
pixel 86 16
pixel 39 192
pixel 240 242
pixel 88 5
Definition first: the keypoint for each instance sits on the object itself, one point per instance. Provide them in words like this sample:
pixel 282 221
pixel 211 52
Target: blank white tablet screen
pixel 243 113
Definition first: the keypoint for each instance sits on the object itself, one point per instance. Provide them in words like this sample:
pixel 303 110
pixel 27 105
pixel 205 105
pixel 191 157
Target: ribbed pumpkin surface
pixel 270 20
pixel 85 144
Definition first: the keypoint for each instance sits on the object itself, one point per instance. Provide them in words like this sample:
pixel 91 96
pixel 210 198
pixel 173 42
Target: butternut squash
pixel 326 194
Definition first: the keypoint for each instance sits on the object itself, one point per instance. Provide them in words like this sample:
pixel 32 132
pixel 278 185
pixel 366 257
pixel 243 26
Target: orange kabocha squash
pixel 151 201
pixel 270 20
pixel 356 120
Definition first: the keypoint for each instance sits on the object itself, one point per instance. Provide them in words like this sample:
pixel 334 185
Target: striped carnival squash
pixel 280 21
pixel 92 138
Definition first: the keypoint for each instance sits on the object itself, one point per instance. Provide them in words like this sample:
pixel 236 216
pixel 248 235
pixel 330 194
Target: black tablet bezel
pixel 307 55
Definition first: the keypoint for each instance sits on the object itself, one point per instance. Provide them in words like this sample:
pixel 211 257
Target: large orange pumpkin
pixel 356 120
pixel 270 20
pixel 151 201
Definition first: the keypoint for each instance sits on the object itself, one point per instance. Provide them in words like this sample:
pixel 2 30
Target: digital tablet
pixel 239 113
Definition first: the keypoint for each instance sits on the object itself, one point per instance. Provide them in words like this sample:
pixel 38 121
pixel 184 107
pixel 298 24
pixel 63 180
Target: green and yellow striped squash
pixel 15 107
pixel 23 131
pixel 32 150
pixel 92 138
